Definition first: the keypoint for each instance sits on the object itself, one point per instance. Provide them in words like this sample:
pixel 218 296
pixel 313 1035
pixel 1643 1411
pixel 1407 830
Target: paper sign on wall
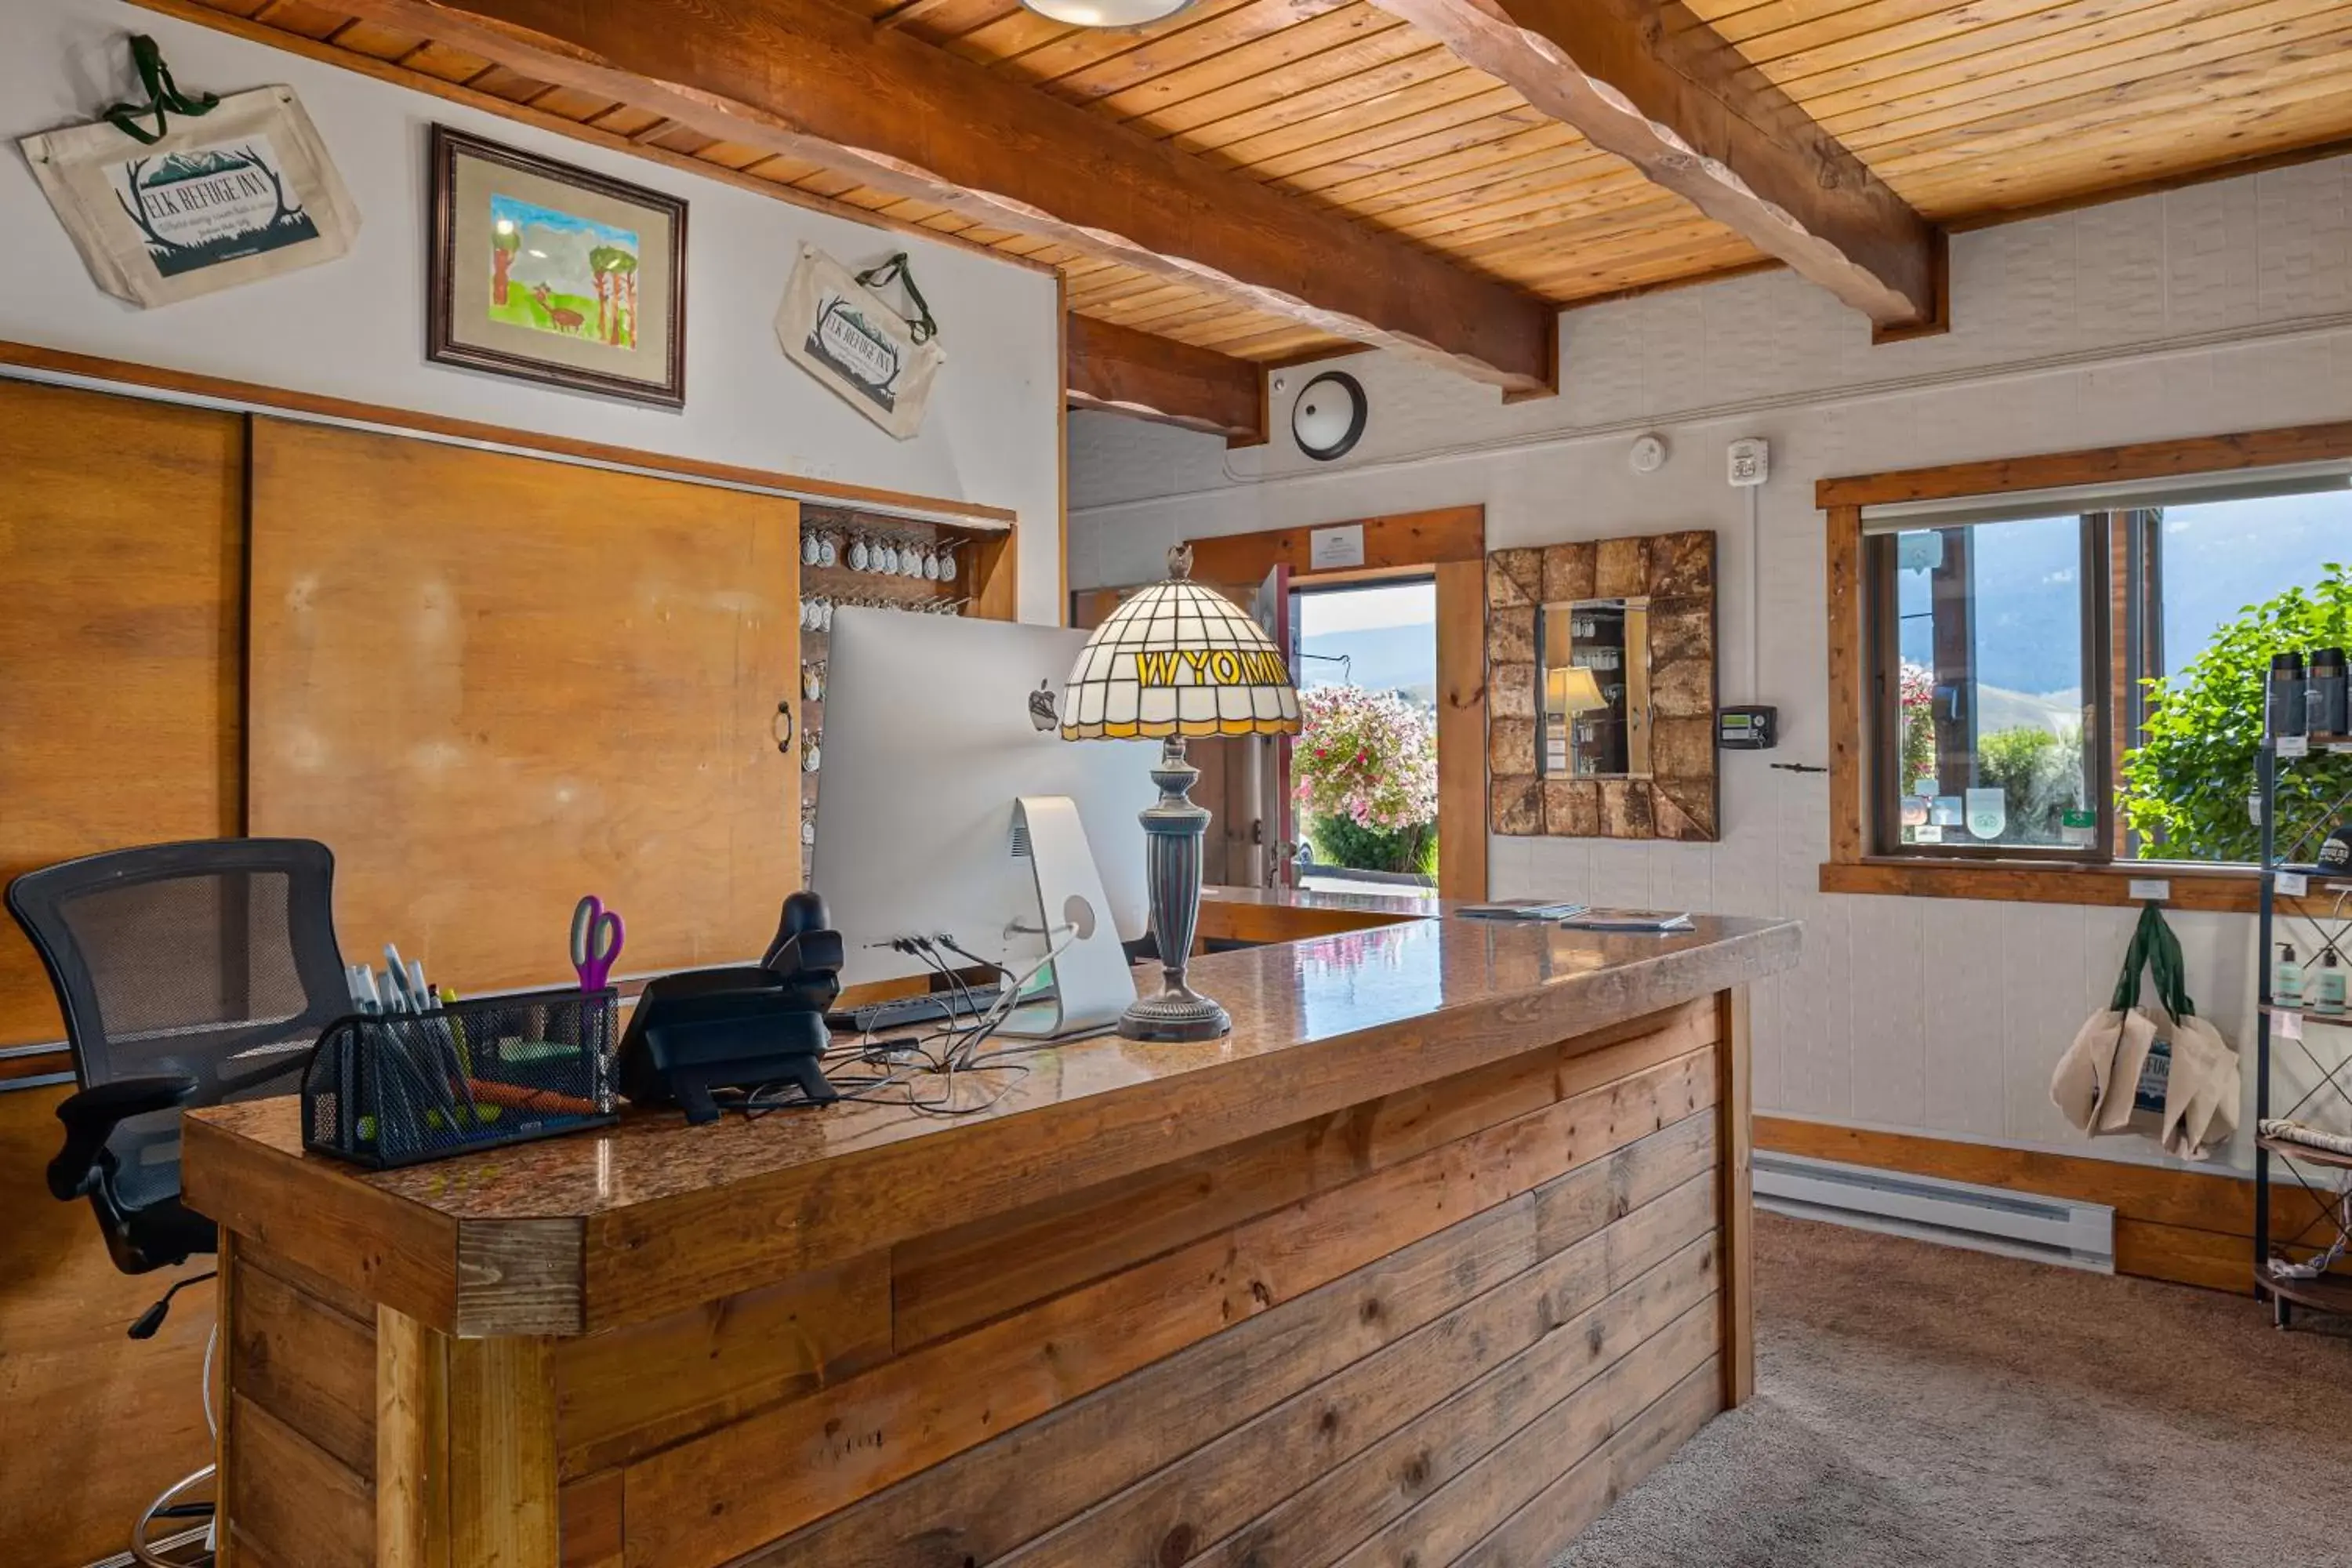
pixel 1987 812
pixel 1336 549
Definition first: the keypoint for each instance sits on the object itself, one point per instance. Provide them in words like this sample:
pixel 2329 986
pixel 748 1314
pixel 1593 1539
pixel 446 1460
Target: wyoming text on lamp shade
pixel 1178 659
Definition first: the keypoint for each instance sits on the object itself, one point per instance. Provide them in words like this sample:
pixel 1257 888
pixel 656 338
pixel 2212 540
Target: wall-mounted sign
pixel 1336 549
pixel 834 326
pixel 234 192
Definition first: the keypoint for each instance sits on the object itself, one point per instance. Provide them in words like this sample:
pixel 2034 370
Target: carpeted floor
pixel 1922 1407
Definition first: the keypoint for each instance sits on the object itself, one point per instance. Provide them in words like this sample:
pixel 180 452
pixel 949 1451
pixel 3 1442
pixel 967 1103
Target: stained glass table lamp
pixel 1175 662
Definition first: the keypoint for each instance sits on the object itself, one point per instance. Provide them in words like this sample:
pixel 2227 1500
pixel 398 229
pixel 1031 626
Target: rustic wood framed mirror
pixel 1600 690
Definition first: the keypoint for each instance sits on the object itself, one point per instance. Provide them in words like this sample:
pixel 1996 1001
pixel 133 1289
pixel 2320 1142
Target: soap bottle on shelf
pixel 2326 703
pixel 2327 984
pixel 2286 979
pixel 2287 706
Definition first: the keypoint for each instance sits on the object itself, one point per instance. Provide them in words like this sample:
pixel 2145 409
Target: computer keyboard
pixel 936 1006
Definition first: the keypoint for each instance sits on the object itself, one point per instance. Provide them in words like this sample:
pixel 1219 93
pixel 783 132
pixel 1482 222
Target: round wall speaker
pixel 1328 420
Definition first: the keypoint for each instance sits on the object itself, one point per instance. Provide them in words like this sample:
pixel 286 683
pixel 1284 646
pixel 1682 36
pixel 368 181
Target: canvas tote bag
pixel 2159 1069
pixel 230 191
pixel 834 326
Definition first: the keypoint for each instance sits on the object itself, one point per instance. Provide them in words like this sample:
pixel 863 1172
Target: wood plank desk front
pixel 1432 1255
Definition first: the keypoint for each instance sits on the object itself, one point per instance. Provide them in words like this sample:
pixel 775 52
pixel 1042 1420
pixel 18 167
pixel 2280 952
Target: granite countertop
pixel 1391 991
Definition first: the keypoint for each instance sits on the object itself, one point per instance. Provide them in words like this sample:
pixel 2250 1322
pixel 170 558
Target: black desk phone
pixel 752 1026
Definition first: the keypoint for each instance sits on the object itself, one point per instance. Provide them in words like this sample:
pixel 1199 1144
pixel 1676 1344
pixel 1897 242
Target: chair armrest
pixel 93 1114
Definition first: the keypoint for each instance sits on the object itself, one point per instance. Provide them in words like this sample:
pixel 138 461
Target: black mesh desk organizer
pixel 400 1088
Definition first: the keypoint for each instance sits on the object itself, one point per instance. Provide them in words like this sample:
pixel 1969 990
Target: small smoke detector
pixel 1649 454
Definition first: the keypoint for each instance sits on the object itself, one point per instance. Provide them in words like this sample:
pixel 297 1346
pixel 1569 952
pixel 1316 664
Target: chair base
pixel 185 1548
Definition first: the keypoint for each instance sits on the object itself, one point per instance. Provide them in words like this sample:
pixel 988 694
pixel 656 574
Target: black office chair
pixel 188 975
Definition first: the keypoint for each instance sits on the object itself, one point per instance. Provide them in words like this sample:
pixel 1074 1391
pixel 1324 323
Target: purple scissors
pixel 596 935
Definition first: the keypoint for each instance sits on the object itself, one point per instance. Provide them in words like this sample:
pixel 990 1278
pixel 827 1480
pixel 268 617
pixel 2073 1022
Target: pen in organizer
pixel 596 933
pixel 362 986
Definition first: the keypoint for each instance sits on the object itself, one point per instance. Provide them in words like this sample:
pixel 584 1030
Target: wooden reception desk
pixel 1443 1248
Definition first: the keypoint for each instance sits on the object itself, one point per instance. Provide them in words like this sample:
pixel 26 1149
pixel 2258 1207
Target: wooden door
pixel 1275 833
pixel 494 683
pixel 122 560
pixel 121 571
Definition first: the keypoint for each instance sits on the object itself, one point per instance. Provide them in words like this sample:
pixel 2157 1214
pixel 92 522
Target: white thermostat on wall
pixel 1752 461
pixel 1649 454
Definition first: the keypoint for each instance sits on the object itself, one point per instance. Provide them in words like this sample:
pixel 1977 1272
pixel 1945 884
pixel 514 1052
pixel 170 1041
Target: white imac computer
pixel 948 799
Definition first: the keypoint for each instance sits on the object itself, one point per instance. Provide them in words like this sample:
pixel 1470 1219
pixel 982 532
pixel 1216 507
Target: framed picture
pixel 554 274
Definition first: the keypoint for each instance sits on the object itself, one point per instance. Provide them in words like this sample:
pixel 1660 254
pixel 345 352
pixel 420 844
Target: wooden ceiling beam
pixel 813 80
pixel 1119 370
pixel 1653 83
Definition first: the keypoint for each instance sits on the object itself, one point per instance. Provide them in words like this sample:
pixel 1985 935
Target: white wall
pixel 2222 307
pixel 354 328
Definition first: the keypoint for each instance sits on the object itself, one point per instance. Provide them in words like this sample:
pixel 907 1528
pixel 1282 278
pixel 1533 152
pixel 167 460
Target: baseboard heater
pixel 1927 1208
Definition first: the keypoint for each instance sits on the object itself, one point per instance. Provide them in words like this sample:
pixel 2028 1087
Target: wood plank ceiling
pixel 1969 110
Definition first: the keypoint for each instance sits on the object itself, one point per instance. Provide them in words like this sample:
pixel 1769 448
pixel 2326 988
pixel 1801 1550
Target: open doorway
pixel 1363 774
pixel 1282 575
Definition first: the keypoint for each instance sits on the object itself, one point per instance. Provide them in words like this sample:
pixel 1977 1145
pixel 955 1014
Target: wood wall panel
pixel 630 1390
pixel 306 1364
pixel 1534 1143
pixel 973 1506
pixel 1243 1438
pixel 1462 728
pixel 1330 1465
pixel 122 567
pixel 492 684
pixel 968 1276
pixel 294 1501
pixel 1490 1303
pixel 92 1424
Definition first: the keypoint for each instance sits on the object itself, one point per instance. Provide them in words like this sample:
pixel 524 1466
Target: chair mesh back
pixel 215 959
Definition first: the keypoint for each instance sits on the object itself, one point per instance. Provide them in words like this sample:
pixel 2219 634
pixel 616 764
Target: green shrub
pixel 2184 791
pixel 1340 841
pixel 2040 773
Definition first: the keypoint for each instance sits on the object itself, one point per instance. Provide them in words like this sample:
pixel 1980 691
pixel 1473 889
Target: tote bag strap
pixel 2171 971
pixel 163 94
pixel 2135 957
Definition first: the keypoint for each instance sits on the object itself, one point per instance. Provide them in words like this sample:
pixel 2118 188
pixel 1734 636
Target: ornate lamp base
pixel 1173 830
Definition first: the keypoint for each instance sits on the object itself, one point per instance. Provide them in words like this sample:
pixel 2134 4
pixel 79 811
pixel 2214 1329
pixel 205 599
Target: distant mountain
pixel 1386 658
pixel 2217 558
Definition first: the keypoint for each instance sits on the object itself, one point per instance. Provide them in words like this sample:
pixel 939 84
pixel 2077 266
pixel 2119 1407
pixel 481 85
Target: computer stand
pixel 1093 986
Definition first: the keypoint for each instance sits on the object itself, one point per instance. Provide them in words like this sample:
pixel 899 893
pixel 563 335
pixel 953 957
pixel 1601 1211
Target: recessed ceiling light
pixel 1107 13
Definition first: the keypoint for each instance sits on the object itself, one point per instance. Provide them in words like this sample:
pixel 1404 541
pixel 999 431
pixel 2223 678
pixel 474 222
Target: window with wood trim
pixel 2073 675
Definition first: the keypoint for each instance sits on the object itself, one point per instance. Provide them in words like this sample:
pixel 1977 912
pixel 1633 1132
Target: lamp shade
pixel 1574 691
pixel 1178 659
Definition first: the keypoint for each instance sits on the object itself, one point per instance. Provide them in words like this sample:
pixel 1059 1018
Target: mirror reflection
pixel 1594 658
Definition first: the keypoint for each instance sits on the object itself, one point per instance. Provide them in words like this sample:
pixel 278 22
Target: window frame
pixel 1861 801
pixel 1884 633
